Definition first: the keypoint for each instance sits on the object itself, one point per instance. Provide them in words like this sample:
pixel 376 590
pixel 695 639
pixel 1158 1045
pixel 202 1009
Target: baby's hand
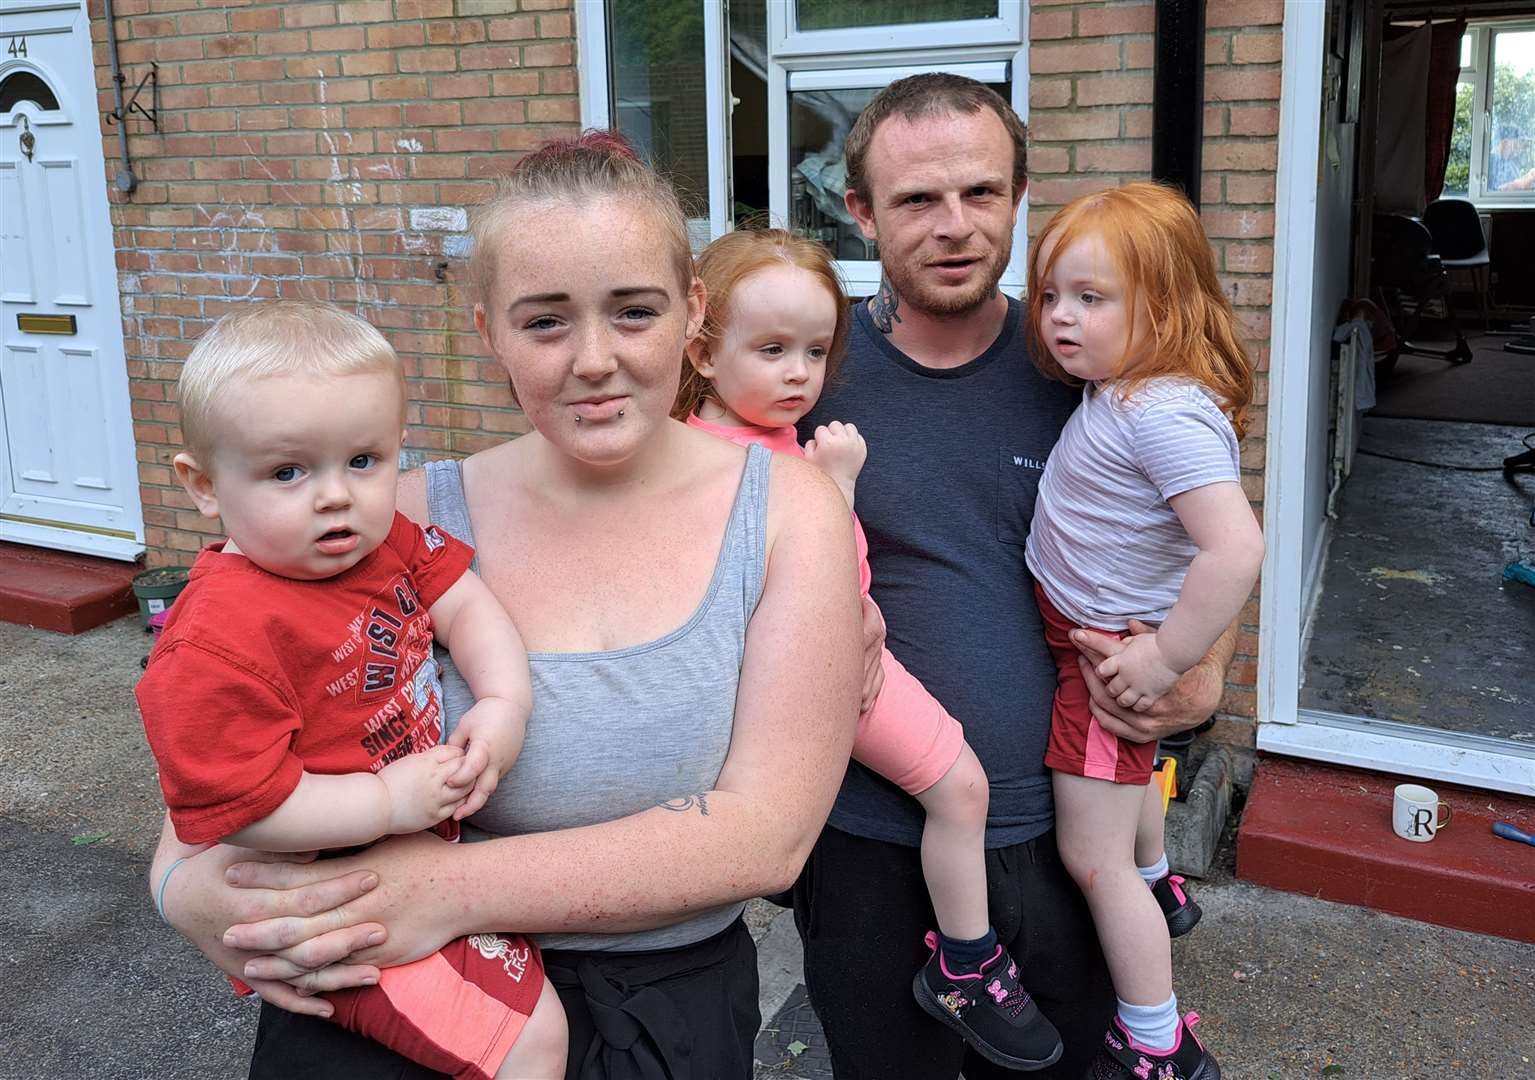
pixel 1138 674
pixel 421 788
pixel 491 736
pixel 839 451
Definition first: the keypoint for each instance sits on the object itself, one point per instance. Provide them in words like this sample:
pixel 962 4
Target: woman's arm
pixel 796 710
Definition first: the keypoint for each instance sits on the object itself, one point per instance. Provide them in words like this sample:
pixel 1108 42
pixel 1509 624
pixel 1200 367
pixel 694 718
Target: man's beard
pixel 949 303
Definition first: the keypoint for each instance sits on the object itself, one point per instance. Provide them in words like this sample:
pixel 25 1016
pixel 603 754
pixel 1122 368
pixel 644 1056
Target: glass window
pixel 1457 173
pixel 658 94
pixel 840 14
pixel 819 121
pixel 1511 108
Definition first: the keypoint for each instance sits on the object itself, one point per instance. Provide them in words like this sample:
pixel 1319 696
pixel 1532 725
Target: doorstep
pixel 1326 832
pixel 58 591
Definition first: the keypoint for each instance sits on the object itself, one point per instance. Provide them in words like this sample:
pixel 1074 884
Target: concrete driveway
pixel 93 985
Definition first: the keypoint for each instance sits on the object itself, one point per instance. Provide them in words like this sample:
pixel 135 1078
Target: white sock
pixel 1153 1026
pixel 1151 874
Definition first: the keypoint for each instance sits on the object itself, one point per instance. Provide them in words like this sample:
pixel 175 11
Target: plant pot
pixel 157 589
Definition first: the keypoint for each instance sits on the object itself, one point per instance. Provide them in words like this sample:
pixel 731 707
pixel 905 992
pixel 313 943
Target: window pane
pixel 748 116
pixel 1457 173
pixel 837 14
pixel 819 121
pixel 659 94
pixel 1511 150
pixel 1465 50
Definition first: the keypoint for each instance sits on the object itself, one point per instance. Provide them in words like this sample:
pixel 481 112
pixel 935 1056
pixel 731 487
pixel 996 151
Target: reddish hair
pixel 1152 233
pixel 730 260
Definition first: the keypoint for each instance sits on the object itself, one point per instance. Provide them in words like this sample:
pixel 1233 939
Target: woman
pixel 695 655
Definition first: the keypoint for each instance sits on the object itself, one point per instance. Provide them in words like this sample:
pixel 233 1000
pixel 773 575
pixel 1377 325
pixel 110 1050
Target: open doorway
pixel 1422 616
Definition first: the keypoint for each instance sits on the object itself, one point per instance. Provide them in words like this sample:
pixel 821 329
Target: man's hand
pixel 1191 701
pixel 873 653
pixel 491 737
pixel 839 451
pixel 421 788
pixel 1139 674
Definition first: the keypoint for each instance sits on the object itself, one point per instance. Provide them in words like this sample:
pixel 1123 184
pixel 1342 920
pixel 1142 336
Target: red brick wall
pixel 328 150
pixel 1090 126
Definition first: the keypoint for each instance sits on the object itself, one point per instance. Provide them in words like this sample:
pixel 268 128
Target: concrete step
pixel 66 593
pixel 1326 832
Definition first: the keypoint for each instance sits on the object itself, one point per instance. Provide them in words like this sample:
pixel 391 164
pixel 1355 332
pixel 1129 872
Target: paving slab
pixel 92 985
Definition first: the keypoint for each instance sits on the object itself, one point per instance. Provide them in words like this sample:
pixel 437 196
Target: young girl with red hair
pixel 1141 523
pixel 775 324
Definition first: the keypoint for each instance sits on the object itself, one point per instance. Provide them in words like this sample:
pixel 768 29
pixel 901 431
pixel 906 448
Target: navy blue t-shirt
pixel 946 497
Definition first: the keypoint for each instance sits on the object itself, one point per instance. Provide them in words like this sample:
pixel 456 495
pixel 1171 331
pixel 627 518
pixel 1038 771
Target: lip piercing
pixel 578 418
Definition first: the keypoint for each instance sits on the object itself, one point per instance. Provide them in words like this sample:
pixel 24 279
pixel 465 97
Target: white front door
pixel 68 471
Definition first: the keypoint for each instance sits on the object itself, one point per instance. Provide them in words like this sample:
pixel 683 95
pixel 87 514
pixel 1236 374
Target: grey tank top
pixel 614 733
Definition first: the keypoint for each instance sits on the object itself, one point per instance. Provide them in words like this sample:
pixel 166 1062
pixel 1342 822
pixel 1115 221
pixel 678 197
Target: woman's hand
pixel 199 903
pixel 316 928
pixel 873 655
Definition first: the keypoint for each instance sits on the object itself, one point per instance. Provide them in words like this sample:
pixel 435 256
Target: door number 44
pixel 17 47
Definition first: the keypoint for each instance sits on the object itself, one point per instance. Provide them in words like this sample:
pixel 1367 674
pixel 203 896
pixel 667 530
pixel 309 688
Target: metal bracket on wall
pixel 152 114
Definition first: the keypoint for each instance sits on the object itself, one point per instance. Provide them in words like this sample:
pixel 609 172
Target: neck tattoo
pixel 883 304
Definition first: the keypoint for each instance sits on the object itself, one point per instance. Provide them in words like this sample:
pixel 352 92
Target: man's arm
pixel 1191 701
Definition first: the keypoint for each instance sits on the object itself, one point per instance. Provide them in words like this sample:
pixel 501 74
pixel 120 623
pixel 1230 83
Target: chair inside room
pixel 1456 229
pixel 1406 275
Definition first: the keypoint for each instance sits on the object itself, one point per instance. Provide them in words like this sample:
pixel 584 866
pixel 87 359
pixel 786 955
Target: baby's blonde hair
pixel 276 337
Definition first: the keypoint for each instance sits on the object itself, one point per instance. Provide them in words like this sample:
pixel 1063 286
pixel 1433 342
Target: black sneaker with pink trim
pixel 989 1010
pixel 1177 904
pixel 1122 1058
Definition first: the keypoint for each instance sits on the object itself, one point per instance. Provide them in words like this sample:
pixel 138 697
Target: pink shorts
pixel 1078 745
pixel 906 736
pixel 457 1011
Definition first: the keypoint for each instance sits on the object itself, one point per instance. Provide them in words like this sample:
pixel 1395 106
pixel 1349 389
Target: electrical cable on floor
pixel 1442 465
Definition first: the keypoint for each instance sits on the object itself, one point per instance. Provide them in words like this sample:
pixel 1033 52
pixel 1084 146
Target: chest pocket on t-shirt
pixel 1018 473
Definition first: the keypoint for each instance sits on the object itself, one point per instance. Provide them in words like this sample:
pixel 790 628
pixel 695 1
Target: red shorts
pixel 458 1011
pixel 1078 745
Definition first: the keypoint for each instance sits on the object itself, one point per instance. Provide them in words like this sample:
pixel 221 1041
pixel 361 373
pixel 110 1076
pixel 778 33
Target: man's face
pixel 941 207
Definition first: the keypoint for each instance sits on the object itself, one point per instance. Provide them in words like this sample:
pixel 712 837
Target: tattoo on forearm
pixel 883 304
pixel 687 802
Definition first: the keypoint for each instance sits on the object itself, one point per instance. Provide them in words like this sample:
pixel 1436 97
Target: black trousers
pixel 862 909
pixel 688 1013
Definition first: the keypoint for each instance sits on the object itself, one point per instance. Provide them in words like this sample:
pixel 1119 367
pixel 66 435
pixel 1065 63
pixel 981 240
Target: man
pixel 959 423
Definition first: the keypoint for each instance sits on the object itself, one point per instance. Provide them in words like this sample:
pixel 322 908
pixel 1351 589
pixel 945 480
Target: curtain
pixel 1443 73
pixel 1399 136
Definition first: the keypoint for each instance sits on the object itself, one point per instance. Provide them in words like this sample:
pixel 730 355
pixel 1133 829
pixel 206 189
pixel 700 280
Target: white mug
pixel 1417 814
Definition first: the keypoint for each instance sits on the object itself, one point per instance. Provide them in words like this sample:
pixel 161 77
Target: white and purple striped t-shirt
pixel 1104 544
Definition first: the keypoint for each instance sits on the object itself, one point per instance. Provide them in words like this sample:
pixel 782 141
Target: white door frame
pixel 126 543
pixel 1283 726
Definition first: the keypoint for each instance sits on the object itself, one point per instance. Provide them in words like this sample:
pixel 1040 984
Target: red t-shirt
pixel 257 678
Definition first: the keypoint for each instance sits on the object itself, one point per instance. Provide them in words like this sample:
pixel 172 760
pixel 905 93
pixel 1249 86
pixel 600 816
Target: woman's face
pixel 589 319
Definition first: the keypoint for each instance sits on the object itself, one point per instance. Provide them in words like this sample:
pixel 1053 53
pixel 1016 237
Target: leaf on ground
pixel 796 1048
pixel 1332 1070
pixel 87 838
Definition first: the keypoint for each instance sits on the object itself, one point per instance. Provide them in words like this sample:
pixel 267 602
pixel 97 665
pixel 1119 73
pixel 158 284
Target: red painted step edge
pixel 1326 831
pixel 65 593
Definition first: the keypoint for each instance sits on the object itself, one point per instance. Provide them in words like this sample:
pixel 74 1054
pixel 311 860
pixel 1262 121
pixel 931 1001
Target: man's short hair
pixel 277 337
pixel 932 94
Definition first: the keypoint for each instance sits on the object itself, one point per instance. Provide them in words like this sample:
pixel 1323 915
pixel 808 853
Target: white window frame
pixel 592 59
pixel 990 50
pixel 1479 74
pixel 787 41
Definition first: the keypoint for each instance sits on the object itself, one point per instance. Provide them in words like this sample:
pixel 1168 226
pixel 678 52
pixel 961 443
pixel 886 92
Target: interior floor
pixel 1415 622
